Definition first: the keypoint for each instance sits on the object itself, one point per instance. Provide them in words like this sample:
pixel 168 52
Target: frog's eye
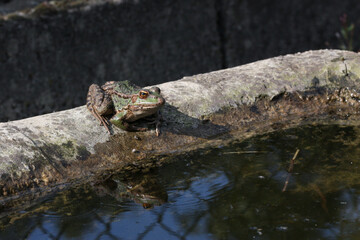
pixel 143 94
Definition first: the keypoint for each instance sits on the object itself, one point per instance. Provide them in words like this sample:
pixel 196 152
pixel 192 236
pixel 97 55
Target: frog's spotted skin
pixel 126 102
pixel 99 103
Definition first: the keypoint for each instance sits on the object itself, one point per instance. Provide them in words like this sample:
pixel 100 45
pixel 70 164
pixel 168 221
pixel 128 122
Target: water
pixel 232 192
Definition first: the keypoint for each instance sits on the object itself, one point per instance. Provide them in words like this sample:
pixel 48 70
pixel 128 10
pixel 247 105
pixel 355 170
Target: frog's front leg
pixel 156 119
pixel 99 103
pixel 159 120
pixel 119 121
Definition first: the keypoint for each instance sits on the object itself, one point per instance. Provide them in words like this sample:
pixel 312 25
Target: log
pixel 51 151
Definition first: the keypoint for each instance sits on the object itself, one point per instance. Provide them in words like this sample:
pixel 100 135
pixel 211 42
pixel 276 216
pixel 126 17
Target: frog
pixel 125 103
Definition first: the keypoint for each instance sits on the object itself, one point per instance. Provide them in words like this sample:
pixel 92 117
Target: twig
pixel 291 167
pixel 322 197
pixel 244 152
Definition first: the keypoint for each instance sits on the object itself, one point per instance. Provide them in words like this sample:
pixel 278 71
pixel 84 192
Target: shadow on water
pixel 233 192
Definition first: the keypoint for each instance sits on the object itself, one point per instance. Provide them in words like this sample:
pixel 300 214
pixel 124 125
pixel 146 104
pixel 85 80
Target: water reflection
pixel 233 192
pixel 143 189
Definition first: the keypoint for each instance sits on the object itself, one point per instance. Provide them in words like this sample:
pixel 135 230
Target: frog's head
pixel 150 98
pixel 145 103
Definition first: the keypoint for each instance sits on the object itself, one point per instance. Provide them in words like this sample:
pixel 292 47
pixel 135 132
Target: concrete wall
pixel 47 61
pixel 266 28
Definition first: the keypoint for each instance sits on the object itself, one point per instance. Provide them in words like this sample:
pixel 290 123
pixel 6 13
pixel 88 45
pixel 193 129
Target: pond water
pixel 229 192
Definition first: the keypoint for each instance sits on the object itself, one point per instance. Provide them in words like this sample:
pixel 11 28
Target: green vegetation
pixel 347 33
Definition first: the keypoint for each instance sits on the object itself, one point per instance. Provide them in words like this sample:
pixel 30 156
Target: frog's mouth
pixel 135 112
pixel 145 108
pixel 147 104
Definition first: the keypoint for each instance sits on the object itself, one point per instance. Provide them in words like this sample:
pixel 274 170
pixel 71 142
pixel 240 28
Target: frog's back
pixel 126 87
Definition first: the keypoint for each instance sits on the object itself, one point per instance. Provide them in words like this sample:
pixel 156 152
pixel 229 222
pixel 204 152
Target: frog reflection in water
pixel 126 103
pixel 142 189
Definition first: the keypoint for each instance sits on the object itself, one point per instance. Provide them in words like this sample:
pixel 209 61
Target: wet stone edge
pixel 118 155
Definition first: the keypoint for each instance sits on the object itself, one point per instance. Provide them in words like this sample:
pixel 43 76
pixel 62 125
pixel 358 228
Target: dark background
pixel 48 59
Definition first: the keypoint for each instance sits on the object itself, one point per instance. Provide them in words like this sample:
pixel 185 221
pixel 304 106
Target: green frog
pixel 125 103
